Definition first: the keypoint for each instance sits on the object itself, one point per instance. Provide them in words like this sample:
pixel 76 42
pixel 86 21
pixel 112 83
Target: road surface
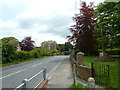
pixel 12 76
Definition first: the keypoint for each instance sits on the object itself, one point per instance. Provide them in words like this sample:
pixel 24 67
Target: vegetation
pixel 10 55
pixel 78 85
pixel 11 40
pixel 88 60
pixel 8 52
pixel 108 30
pixel 27 44
pixel 17 62
pixel 113 69
pixel 64 48
pixel 83 30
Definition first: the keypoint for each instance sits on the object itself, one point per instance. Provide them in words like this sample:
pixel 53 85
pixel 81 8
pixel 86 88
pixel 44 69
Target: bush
pixel 54 51
pixel 66 52
pixel 22 55
pixel 78 85
pixel 8 52
pixel 36 52
pixel 10 55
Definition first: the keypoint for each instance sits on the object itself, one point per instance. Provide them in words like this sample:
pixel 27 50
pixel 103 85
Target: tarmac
pixel 62 76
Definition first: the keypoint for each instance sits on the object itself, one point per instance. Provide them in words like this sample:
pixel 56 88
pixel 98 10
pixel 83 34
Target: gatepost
pixel 80 58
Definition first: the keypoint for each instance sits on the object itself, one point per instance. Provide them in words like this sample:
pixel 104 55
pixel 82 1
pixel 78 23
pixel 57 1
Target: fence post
pixel 25 84
pixel 92 69
pixel 74 73
pixel 44 73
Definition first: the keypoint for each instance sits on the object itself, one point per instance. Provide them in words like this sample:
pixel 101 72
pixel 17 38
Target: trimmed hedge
pixel 10 55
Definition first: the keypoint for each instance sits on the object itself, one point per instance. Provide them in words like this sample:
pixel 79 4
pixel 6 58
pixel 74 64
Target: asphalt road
pixel 12 76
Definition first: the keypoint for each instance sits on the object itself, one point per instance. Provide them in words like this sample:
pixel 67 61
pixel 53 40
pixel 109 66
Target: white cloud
pixel 42 20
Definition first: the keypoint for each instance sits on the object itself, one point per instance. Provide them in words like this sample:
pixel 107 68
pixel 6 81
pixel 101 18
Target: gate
pixel 100 72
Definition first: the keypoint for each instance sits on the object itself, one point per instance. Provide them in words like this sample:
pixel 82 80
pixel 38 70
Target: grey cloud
pixel 26 23
pixel 58 25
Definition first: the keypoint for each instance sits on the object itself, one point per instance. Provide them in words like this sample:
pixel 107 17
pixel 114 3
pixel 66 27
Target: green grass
pixel 113 68
pixel 88 60
pixel 17 62
pixel 78 85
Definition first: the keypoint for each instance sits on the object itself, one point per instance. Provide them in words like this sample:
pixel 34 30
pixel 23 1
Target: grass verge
pixel 88 60
pixel 78 85
pixel 17 62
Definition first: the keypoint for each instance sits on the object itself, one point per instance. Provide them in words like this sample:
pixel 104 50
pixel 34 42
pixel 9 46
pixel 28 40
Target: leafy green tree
pixel 68 46
pixel 11 40
pixel 108 26
pixel 61 47
pixel 49 44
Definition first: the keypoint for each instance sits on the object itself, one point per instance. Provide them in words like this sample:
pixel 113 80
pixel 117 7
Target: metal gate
pixel 100 72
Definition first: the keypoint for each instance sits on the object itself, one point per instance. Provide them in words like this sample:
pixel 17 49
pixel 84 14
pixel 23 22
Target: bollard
pixel 25 84
pixel 44 73
pixel 91 82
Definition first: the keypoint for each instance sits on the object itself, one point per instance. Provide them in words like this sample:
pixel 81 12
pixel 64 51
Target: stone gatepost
pixel 80 58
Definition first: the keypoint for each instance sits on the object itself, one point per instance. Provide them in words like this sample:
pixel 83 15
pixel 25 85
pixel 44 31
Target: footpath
pixel 62 77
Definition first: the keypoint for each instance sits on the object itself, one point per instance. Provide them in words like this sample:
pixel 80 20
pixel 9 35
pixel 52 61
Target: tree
pixel 49 44
pixel 68 46
pixel 82 31
pixel 27 44
pixel 61 47
pixel 8 51
pixel 108 30
pixel 11 40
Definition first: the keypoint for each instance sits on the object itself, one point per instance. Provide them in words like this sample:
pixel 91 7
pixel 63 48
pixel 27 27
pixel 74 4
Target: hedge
pixel 10 55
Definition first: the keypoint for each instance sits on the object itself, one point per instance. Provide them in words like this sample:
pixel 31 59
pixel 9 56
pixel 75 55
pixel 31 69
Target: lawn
pixel 88 60
pixel 113 69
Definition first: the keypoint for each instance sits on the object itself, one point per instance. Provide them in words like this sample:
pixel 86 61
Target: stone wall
pixel 84 72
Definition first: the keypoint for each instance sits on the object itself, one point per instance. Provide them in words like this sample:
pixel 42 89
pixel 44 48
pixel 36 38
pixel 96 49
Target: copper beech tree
pixel 82 31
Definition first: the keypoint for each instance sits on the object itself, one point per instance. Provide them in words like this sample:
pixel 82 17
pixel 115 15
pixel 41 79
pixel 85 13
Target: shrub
pixel 54 51
pixel 22 55
pixel 36 52
pixel 78 85
pixel 66 52
pixel 8 52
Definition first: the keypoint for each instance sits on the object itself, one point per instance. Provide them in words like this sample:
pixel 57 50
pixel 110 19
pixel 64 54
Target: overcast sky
pixel 41 19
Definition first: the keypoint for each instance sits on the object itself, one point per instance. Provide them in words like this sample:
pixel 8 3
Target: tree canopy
pixel 108 25
pixel 27 44
pixel 82 31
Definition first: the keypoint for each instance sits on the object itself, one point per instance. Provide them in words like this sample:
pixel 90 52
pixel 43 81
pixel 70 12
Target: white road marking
pixel 36 65
pixel 13 73
pixel 41 63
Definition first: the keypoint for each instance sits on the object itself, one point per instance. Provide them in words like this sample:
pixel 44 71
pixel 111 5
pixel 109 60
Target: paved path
pixel 62 76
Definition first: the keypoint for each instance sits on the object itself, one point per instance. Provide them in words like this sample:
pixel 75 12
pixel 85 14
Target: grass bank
pixel 17 62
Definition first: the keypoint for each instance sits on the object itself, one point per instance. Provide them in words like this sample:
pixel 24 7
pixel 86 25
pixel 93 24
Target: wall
pixel 84 72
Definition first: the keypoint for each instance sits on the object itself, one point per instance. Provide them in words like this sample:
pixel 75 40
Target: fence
pixel 100 72
pixel 25 82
